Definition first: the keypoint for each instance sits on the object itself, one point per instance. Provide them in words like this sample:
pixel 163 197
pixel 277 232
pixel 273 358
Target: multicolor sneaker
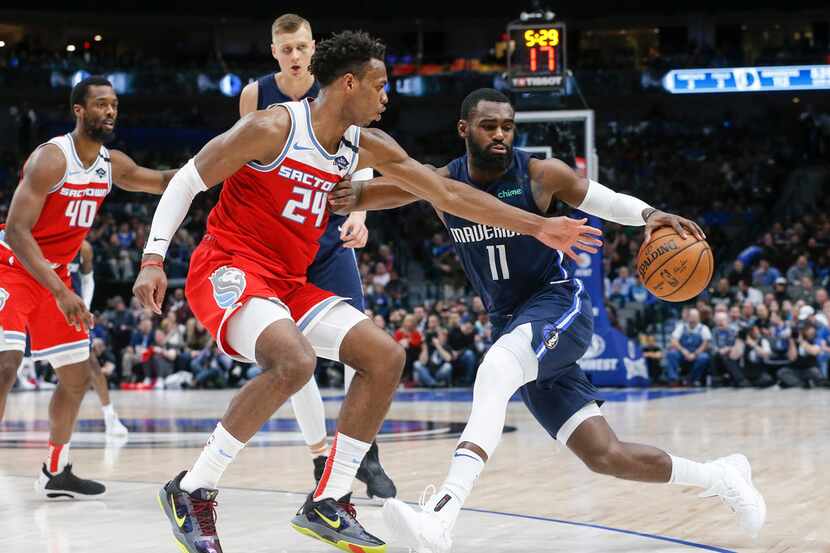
pixel 65 485
pixel 335 523
pixel 192 515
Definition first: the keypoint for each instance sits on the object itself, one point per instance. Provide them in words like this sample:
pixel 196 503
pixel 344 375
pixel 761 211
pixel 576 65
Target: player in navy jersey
pixel 83 283
pixel 335 266
pixel 544 323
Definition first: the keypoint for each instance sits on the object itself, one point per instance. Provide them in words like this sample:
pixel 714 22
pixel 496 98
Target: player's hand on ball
pixel 566 234
pixel 343 198
pixel 354 233
pixel 680 224
pixel 74 309
pixel 150 287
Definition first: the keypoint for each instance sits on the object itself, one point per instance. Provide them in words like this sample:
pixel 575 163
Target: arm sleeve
pixel 87 288
pixel 173 207
pixel 612 206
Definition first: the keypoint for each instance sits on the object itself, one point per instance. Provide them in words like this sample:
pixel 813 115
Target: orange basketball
pixel 674 268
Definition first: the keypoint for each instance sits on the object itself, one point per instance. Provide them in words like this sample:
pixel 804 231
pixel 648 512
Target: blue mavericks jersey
pixel 504 267
pixel 269 95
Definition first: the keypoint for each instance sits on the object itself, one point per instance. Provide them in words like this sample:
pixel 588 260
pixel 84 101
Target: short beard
pixel 482 159
pixel 98 134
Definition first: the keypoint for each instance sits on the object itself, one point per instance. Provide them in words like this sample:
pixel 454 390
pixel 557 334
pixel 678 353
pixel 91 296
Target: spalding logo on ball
pixel 675 268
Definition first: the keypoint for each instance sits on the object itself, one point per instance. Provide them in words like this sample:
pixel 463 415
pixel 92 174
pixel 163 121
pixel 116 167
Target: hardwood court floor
pixel 533 496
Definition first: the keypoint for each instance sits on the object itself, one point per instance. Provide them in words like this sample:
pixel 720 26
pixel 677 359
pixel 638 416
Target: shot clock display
pixel 537 59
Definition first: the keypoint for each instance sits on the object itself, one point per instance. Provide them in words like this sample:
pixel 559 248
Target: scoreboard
pixel 537 56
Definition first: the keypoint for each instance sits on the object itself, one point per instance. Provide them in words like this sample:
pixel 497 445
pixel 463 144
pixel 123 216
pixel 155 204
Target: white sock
pixel 108 410
pixel 691 473
pixel 58 457
pixel 219 452
pixel 341 467
pixel 465 468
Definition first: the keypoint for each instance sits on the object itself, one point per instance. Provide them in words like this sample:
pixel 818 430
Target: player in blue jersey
pixel 83 283
pixel 544 323
pixel 335 267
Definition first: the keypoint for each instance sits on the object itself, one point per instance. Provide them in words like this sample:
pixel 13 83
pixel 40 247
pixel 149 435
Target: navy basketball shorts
pixel 559 322
pixel 335 267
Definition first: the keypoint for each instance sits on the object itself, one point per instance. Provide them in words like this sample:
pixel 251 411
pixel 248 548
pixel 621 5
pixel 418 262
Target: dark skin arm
pixel 260 136
pixel 553 179
pixel 86 258
pixel 128 175
pixel 44 169
pixel 379 150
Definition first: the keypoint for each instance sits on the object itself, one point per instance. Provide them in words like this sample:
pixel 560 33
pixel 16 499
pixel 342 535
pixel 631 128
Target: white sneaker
pixel 115 427
pixel 26 384
pixel 737 491
pixel 46 385
pixel 420 529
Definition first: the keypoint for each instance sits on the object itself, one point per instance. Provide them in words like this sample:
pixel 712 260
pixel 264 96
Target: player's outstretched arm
pixel 369 195
pixel 384 154
pixel 128 175
pixel 560 181
pixel 44 169
pixel 258 136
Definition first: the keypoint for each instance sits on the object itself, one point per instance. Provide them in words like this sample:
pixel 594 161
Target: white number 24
pixel 310 201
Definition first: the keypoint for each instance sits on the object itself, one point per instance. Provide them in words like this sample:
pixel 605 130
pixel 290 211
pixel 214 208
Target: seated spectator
pixel 738 272
pixel 722 293
pixel 136 354
pixel 410 340
pixel 779 289
pixel 728 351
pixel 211 368
pixel 765 275
pixel 462 343
pixel 690 343
pixel 805 368
pixel 748 293
pixel 621 286
pixel 803 290
pixel 106 360
pixel 379 302
pixel 653 356
pixel 782 349
pixel 799 269
pixel 756 354
pixel 433 367
pixel 382 275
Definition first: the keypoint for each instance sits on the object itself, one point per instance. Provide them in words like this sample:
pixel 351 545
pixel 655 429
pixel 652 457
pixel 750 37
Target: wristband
pixel 153 263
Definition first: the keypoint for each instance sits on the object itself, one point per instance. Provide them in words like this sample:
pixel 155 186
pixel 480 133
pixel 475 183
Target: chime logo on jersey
pixel 228 286
pixel 4 295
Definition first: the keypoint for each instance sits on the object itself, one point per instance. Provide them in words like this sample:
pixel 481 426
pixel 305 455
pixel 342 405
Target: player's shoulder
pixel 251 90
pixel 47 162
pixel 267 123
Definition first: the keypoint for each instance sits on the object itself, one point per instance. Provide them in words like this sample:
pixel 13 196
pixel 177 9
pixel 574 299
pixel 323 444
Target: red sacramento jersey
pixel 72 203
pixel 275 214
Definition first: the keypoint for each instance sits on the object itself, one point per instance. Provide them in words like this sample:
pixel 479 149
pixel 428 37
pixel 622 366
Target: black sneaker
pixel 66 485
pixel 335 523
pixel 319 467
pixel 192 516
pixel 371 473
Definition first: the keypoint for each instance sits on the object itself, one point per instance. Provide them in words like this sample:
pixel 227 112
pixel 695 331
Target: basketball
pixel 675 268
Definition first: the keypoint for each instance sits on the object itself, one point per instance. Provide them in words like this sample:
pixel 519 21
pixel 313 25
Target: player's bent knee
pixel 288 370
pixel 609 460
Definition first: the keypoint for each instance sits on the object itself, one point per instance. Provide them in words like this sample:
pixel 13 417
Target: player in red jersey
pixel 63 185
pixel 247 279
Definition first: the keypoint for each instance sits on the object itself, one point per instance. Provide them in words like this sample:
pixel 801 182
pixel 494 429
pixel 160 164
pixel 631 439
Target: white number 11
pixel 491 252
